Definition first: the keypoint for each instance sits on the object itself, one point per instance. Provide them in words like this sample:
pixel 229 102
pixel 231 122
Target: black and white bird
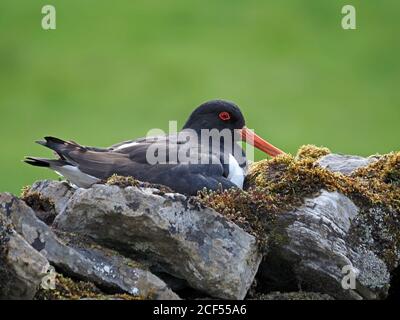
pixel 188 162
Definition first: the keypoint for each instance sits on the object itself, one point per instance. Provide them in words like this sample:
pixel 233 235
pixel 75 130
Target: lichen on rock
pixel 21 267
pixel 5 231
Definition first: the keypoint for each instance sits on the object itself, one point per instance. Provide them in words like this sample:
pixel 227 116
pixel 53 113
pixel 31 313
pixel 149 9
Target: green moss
pixel 68 289
pixel 124 182
pixel 311 152
pixel 36 200
pixel 25 190
pixel 272 187
pixel 379 225
pixel 43 206
pixel 383 176
pixel 282 183
pixel 249 210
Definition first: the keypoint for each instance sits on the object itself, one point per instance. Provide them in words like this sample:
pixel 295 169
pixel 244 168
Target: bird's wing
pixel 125 146
pixel 184 177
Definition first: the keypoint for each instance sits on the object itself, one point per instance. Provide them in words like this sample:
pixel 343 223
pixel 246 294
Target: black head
pixel 216 114
pixel 222 115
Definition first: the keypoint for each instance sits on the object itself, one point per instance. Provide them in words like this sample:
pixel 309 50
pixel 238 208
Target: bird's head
pixel 222 115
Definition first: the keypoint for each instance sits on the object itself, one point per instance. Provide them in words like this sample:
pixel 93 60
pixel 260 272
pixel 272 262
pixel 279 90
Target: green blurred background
pixel 114 69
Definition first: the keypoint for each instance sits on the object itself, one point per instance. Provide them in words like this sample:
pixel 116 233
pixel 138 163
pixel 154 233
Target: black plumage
pixel 84 166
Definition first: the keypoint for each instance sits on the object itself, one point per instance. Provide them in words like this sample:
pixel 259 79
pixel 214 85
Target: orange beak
pixel 259 143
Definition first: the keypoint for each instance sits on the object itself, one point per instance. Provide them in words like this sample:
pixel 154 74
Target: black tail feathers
pixel 52 142
pixel 45 163
pixel 61 147
pixel 37 162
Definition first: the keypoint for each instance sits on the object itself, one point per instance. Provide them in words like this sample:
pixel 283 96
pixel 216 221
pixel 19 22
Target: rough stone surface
pixel 319 236
pixel 57 192
pixel 344 164
pixel 317 245
pixel 197 244
pixel 110 237
pixel 101 266
pixel 22 268
pixel 294 296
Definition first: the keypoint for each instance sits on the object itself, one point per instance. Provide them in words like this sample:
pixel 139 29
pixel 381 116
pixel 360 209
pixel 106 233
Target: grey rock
pixel 98 265
pixel 22 268
pixel 294 296
pixel 57 192
pixel 344 164
pixel 190 242
pixel 319 249
pixel 316 250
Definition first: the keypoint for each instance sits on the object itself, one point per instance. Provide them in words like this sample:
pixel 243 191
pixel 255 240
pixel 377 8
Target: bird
pixel 185 161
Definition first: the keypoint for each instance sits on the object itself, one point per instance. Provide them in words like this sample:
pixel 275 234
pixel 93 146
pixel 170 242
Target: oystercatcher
pixel 187 161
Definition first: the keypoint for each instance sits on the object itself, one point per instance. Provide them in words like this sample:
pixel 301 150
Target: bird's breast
pixel 236 172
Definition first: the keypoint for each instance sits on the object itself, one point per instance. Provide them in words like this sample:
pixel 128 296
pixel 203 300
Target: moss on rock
pixel 68 289
pixel 310 151
pixel 43 206
pixel 124 182
pixel 36 200
pixel 249 210
pixel 281 184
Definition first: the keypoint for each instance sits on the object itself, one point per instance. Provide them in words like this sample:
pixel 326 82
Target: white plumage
pixel 77 177
pixel 236 173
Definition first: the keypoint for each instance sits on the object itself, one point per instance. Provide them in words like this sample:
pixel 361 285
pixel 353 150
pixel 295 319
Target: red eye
pixel 225 116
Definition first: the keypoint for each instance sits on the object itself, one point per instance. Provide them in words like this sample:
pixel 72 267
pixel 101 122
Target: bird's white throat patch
pixel 236 173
